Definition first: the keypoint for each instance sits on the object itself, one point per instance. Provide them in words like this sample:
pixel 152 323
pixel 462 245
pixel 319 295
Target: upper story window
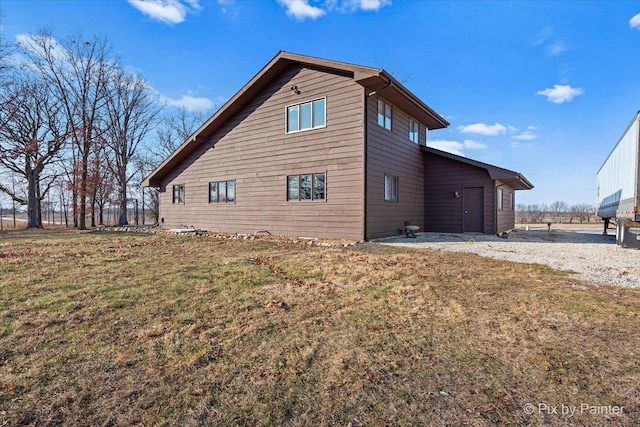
pixel 414 131
pixel 222 192
pixel 384 114
pixel 306 187
pixel 307 115
pixel 390 188
pixel 178 193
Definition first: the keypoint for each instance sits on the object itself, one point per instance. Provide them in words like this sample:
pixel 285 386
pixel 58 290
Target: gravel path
pixel 594 257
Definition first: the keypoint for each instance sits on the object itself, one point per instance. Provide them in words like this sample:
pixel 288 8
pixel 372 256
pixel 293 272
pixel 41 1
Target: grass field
pixel 114 329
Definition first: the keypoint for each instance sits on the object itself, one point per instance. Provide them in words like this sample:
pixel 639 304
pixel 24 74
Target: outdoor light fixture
pixel 295 89
pixel 456 194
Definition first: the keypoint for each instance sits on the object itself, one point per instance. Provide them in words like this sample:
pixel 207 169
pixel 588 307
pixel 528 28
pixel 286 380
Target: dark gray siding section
pixel 392 153
pixel 506 217
pixel 254 150
pixel 443 178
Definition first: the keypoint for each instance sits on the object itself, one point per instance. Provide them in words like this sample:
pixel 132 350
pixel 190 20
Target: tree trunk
pixel 34 220
pixel 123 206
pixel 82 223
pixel 94 196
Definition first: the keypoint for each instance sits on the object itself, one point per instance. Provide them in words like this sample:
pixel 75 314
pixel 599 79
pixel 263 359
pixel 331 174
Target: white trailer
pixel 618 182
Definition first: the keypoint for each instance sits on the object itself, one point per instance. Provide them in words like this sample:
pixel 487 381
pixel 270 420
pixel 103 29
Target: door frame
pixel 464 201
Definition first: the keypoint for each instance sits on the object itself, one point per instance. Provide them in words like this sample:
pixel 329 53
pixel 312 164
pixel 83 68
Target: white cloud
pixel 484 129
pixel 33 43
pixel 474 145
pixel 532 127
pixel 514 144
pixel 301 9
pixel 561 93
pixel 525 136
pixel 635 22
pixel 167 11
pixel 453 147
pixel 542 36
pixel 191 103
pixel 225 4
pixel 367 5
pixel 556 48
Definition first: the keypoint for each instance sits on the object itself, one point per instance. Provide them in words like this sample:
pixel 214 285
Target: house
pixel 317 148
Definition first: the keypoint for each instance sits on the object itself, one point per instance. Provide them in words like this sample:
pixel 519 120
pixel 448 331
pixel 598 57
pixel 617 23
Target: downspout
pixel 366 174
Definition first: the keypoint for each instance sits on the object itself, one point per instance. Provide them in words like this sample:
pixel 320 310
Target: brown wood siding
pixel 392 153
pixel 443 177
pixel 506 217
pixel 254 150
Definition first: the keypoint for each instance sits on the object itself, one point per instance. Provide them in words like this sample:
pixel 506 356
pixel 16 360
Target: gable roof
pixel 374 79
pixel 514 179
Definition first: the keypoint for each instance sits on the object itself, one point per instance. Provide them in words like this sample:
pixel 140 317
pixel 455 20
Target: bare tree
pixel 177 126
pixel 558 209
pixel 77 72
pixel 31 138
pixel 132 110
pixel 6 50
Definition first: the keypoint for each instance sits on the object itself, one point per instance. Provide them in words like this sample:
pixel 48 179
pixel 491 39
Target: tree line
pixel 557 212
pixel 75 122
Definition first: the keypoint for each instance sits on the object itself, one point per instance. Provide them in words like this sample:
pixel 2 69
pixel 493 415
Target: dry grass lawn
pixel 114 329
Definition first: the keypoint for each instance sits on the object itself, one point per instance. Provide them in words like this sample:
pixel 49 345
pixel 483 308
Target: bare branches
pixel 132 109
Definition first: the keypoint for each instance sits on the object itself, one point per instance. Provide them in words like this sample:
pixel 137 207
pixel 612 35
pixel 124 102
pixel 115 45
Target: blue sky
pixel 544 88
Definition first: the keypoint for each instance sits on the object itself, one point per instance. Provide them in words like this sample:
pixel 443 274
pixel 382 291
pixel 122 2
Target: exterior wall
pixel 392 153
pixel 505 217
pixel 443 177
pixel 254 150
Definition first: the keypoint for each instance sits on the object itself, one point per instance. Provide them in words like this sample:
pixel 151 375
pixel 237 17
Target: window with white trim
pixel 384 114
pixel 499 199
pixel 178 194
pixel 222 192
pixel 310 186
pixel 414 131
pixel 390 188
pixel 307 115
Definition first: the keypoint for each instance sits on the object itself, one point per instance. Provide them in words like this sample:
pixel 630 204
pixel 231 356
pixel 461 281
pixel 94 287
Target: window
pixel 414 131
pixel 499 199
pixel 384 114
pixel 390 188
pixel 308 115
pixel 222 192
pixel 511 203
pixel 178 194
pixel 306 187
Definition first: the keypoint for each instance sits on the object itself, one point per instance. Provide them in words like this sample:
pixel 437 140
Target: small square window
pixel 318 186
pixel 178 194
pixel 384 114
pixel 292 187
pixel 390 188
pixel 231 191
pixel 414 131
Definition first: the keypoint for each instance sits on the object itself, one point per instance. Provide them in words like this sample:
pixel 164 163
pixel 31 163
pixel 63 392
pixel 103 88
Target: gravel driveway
pixel 594 257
